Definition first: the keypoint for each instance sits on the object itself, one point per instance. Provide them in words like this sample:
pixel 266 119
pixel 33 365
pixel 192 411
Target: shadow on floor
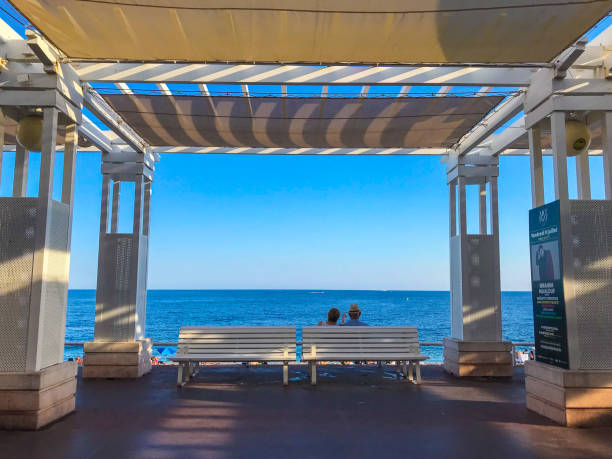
pixel 234 411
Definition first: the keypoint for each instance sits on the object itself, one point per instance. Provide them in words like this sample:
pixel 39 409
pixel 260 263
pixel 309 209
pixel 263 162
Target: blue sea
pixel 168 310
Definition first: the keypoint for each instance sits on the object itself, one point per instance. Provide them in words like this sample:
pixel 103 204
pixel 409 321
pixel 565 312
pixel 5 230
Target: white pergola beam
pixel 45 52
pixel 305 74
pixel 302 151
pixel 504 112
pixel 498 143
pixel 568 57
pixel 95 135
pixel 100 108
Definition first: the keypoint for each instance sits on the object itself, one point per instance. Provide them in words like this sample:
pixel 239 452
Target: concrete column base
pixel 478 358
pixel 29 401
pixel 573 398
pixel 129 359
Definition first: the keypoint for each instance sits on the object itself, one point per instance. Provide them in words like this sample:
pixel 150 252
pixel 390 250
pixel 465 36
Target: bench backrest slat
pixel 263 343
pixel 353 342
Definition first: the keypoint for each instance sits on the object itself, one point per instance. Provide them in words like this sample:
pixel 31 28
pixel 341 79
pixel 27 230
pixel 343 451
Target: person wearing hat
pixel 354 313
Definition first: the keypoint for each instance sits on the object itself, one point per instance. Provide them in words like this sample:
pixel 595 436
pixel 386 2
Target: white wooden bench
pixel 234 344
pixel 400 344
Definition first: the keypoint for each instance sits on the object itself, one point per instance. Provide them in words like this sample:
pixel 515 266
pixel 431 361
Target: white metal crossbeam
pixel 98 106
pixel 305 74
pixel 504 112
pixel 498 143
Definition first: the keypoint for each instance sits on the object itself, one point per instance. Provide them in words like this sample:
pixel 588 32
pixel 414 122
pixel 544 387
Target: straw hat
pixel 354 308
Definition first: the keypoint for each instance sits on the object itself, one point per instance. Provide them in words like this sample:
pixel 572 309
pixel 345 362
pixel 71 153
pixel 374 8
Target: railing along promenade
pixel 299 343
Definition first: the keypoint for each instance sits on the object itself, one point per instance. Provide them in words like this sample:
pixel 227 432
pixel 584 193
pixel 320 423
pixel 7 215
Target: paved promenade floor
pixel 353 412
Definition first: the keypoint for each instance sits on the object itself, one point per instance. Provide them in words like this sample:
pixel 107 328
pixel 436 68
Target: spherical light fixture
pixel 29 132
pixel 577 137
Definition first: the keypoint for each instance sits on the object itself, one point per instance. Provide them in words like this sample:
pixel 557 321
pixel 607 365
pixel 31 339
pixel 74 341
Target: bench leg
pixel 285 373
pixel 404 370
pixel 189 371
pixel 418 372
pixel 179 379
pixel 410 372
pixel 313 373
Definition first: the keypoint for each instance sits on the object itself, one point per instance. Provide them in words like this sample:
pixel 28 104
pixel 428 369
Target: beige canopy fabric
pixel 314 31
pixel 277 122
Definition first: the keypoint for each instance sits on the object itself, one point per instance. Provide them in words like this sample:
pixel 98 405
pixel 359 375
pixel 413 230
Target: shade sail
pixel 312 31
pixel 277 122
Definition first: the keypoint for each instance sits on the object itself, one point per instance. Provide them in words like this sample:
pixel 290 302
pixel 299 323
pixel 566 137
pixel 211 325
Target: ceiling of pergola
pixel 276 122
pixel 311 31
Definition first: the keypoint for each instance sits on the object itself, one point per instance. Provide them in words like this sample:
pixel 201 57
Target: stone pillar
pixel 36 385
pixel 120 349
pixel 571 380
pixel 475 347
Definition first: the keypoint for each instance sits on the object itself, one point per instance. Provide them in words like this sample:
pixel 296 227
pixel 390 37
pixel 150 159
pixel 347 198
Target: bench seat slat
pixel 239 341
pixel 258 336
pixel 231 329
pixel 225 358
pixel 365 339
pixel 368 356
pixel 361 348
pixel 361 343
pixel 238 345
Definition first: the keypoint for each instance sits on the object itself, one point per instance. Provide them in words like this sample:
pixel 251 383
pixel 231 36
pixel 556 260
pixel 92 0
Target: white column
pixel 20 176
pixel 104 206
pixel 71 145
pixel 535 161
pixel 495 274
pixel 475 347
pixel 583 176
pixel 462 206
pixel 452 193
pixel 42 235
pixel 482 207
pixel 146 208
pixel 557 122
pixel 120 348
pixel 138 190
pixel 70 152
pixel 494 207
pixel 115 207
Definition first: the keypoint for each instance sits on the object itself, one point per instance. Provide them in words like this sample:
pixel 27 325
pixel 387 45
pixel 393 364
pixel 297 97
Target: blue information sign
pixel 549 321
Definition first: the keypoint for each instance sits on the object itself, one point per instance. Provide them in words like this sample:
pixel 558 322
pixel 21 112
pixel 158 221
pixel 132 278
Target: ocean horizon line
pixel 291 289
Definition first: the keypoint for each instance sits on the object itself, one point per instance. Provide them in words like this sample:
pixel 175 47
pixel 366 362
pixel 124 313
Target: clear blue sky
pixel 302 222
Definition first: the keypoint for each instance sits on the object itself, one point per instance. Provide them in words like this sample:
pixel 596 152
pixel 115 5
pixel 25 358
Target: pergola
pixel 468 80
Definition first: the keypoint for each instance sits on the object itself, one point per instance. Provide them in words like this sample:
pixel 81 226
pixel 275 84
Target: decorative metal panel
pixel 475 306
pixel 591 228
pixel 116 295
pixel 55 285
pixel 455 291
pixel 17 233
pixel 141 295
